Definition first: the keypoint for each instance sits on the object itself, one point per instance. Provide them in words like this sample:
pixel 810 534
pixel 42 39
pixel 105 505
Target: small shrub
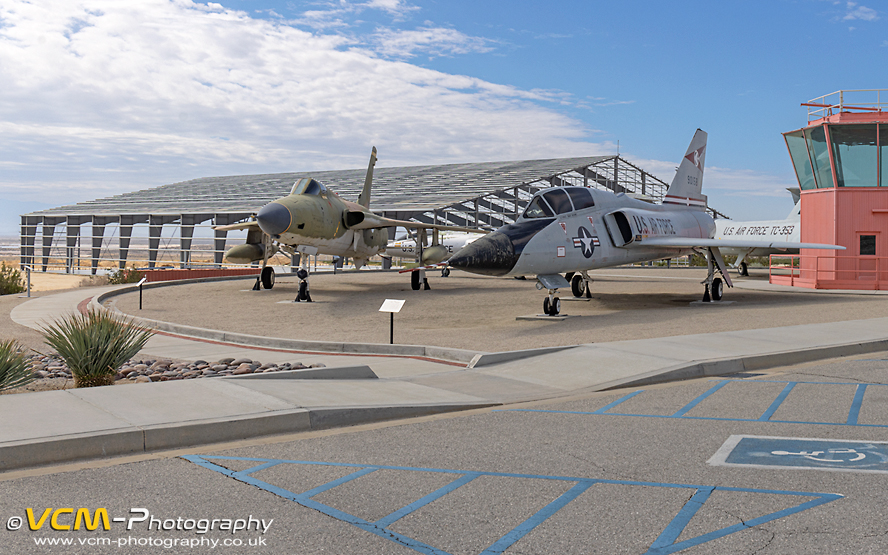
pixel 125 275
pixel 15 369
pixel 94 281
pixel 95 345
pixel 10 280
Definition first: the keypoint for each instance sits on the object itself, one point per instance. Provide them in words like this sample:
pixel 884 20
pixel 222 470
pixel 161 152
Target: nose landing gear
pixel 302 274
pixel 551 304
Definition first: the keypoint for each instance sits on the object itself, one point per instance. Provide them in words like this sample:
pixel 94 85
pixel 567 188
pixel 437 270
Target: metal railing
pixel 852 100
pixel 829 272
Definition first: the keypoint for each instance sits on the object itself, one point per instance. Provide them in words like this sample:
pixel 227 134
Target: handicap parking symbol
pixel 794 452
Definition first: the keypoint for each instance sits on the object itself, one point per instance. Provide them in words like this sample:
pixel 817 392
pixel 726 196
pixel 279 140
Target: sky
pixel 102 97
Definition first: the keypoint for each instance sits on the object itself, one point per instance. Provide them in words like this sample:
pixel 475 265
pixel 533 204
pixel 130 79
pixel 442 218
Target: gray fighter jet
pixel 571 230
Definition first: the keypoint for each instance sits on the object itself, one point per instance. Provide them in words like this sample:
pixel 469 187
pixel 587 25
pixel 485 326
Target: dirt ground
pixel 479 313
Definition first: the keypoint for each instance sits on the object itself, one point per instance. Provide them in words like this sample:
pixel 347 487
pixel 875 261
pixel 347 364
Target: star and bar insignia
pixel 586 241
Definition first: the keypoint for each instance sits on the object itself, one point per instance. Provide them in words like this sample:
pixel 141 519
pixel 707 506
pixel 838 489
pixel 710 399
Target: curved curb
pixel 246 340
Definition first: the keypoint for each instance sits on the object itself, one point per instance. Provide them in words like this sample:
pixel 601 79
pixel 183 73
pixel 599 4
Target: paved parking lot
pixel 683 467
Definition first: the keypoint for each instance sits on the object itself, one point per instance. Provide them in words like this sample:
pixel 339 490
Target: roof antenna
pixel 618 147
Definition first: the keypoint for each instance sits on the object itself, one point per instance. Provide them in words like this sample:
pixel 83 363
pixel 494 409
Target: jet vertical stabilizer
pixel 687 185
pixel 364 199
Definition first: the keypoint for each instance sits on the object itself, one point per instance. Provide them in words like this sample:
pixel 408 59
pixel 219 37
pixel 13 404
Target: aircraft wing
pixel 250 224
pixel 691 242
pixel 375 221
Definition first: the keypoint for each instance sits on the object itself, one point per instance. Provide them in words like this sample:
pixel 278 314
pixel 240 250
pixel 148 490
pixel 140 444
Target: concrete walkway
pixel 58 426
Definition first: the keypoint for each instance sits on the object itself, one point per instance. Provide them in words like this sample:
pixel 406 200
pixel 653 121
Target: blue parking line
pixel 338 482
pixel 606 408
pixel 257 468
pixel 854 413
pixel 684 410
pixel 663 544
pixel 777 402
pixel 525 527
pixel 715 418
pixel 674 529
pixel 425 500
pixel 746 525
pixel 807 383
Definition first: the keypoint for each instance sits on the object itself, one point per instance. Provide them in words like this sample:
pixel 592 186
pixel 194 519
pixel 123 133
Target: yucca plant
pixel 95 345
pixel 15 370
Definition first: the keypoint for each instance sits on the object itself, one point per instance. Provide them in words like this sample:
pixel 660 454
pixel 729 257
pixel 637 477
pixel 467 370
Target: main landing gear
pixel 743 270
pixel 419 280
pixel 265 279
pixel 580 284
pixel 714 286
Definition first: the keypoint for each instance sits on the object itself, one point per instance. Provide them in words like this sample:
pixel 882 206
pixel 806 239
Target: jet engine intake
pixel 352 218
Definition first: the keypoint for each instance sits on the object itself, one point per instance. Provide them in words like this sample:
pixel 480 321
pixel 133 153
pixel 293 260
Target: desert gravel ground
pixel 479 313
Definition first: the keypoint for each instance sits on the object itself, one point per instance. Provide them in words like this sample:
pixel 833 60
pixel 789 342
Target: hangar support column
pixel 29 233
pixel 155 230
pixel 72 233
pixel 126 234
pixel 221 236
pixel 98 235
pixel 48 234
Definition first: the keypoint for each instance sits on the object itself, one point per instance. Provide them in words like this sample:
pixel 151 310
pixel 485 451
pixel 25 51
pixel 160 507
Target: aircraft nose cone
pixel 273 218
pixel 491 255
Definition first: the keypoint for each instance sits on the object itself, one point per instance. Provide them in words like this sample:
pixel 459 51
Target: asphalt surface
pixel 528 478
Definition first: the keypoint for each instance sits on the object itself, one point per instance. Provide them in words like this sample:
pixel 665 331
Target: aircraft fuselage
pixel 610 233
pixel 321 221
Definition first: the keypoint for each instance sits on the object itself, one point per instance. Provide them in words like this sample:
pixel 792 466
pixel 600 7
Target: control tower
pixel 841 162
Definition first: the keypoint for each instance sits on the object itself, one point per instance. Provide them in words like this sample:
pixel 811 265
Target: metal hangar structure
pixel 484 195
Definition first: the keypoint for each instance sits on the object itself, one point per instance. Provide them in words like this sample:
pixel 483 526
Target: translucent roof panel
pixel 405 188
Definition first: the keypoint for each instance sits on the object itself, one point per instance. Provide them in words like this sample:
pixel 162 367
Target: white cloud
pixel 431 41
pixel 854 11
pixel 137 94
pixel 334 14
pixel 397 8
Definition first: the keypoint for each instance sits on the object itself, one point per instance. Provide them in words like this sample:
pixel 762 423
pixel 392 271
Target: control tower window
pixel 581 197
pixel 559 201
pixel 883 154
pixel 538 208
pixel 798 151
pixel 819 152
pixel 855 153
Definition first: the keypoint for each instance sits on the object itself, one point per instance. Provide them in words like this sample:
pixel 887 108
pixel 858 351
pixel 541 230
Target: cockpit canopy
pixel 559 200
pixel 308 186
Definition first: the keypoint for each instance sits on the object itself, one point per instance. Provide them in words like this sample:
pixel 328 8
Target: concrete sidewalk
pixel 57 426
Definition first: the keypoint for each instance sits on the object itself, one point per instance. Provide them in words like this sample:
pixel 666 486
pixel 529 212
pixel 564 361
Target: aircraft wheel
pixel 744 270
pixel 267 277
pixel 556 307
pixel 546 305
pixel 445 272
pixel 717 289
pixel 303 294
pixel 414 281
pixel 577 286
